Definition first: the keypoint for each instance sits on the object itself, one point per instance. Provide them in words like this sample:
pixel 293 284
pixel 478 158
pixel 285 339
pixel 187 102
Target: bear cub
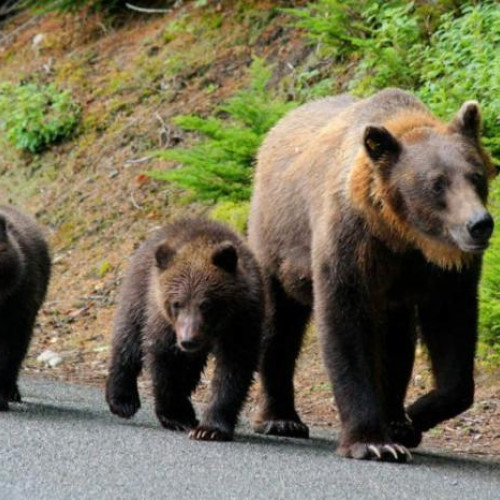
pixel 24 277
pixel 193 288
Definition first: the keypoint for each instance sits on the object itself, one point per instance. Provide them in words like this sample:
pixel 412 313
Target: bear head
pixel 429 183
pixel 196 290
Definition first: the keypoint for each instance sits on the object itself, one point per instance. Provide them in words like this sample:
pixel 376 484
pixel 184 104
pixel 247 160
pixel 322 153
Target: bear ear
pixel 468 120
pixel 226 257
pixel 380 143
pixel 163 255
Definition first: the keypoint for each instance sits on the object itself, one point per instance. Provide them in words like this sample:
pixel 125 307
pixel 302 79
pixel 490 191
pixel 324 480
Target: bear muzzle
pixel 475 234
pixel 188 330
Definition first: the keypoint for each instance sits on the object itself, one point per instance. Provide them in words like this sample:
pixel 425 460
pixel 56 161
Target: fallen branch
pixel 144 10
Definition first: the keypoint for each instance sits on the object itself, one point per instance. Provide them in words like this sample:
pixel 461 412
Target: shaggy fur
pixel 24 277
pixel 367 209
pixel 193 288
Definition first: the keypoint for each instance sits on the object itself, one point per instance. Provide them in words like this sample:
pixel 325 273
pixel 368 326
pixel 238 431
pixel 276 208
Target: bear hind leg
pixel 284 331
pixel 12 353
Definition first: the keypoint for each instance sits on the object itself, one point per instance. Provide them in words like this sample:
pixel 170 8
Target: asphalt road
pixel 62 443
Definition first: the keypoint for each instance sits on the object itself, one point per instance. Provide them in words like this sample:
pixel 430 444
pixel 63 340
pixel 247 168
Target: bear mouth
pixel 466 244
pixel 474 248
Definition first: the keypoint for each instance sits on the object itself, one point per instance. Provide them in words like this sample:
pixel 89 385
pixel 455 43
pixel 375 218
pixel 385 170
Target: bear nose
pixel 190 344
pixel 480 227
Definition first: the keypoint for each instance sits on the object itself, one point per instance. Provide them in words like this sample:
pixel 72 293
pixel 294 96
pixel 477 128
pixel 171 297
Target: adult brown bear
pixel 374 211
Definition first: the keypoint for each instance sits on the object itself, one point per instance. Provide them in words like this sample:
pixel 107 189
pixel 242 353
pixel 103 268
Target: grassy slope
pixel 91 193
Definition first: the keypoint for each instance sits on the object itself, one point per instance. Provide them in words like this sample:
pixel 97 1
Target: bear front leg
pixel 448 321
pixel 122 394
pixel 351 352
pixel 236 362
pixel 175 375
pixel 397 365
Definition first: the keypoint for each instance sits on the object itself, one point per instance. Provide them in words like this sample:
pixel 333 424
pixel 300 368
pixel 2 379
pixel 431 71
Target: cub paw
pixel 14 395
pixel 384 452
pixel 176 423
pixel 403 432
pixel 206 433
pixel 125 405
pixel 286 428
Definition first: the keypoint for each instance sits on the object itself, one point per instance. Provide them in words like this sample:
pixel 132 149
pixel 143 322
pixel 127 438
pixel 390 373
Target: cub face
pixel 196 289
pixel 438 182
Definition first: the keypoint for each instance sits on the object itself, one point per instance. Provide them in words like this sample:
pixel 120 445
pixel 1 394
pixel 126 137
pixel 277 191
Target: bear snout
pixel 474 235
pixel 480 227
pixel 188 331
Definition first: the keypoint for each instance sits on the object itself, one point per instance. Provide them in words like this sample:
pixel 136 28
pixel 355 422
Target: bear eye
pixel 477 178
pixel 175 307
pixel 205 306
pixel 438 185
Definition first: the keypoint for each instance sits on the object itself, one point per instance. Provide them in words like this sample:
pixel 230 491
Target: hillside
pixel 129 77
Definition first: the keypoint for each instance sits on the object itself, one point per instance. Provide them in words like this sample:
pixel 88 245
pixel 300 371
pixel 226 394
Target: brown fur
pixel 24 277
pixel 193 288
pixel 369 209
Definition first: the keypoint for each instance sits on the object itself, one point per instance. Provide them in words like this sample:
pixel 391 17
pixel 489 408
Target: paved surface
pixel 63 444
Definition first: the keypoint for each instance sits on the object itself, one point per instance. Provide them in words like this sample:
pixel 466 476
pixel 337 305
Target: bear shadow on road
pixel 424 458
pixel 323 446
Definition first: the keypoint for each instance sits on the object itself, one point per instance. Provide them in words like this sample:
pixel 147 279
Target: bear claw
pixel 385 452
pixel 202 433
pixel 284 428
pixel 403 431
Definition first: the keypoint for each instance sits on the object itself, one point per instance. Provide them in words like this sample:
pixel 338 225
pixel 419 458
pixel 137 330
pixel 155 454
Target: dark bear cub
pixel 24 276
pixel 192 289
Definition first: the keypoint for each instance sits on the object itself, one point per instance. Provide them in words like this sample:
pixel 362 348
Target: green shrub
pixel 337 25
pixel 220 166
pixel 461 62
pixel 34 117
pixel 490 283
pixel 395 34
pixel 233 214
pixel 444 53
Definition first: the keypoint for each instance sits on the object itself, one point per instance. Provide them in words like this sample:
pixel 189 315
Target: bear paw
pixel 403 431
pixel 4 404
pixel 124 405
pixel 176 424
pixel 385 452
pixel 206 433
pixel 285 428
pixel 15 395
